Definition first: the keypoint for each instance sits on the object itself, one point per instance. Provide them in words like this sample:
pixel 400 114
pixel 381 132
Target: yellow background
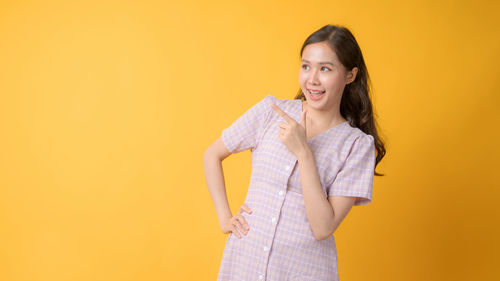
pixel 106 108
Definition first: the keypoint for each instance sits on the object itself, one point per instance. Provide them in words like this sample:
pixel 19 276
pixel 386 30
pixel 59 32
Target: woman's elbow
pixel 323 235
pixel 217 150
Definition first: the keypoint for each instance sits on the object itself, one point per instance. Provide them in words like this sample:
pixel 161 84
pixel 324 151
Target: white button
pixel 287 167
pixel 266 248
pixel 273 219
pixel 281 192
pixel 261 277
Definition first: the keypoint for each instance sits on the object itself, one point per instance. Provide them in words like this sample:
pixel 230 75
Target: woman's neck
pixel 322 119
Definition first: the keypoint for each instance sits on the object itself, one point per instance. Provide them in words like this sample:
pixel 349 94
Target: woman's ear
pixel 351 75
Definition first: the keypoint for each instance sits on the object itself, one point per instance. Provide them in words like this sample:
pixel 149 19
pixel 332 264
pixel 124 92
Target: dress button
pixel 281 192
pixel 266 248
pixel 261 277
pixel 287 167
pixel 273 219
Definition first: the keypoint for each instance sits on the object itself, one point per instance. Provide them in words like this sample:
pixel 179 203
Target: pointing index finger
pixel 282 113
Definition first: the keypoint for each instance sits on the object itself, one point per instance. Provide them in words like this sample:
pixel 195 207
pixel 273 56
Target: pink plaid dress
pixel 280 245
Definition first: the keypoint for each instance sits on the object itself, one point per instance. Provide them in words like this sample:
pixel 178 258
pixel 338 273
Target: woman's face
pixel 322 77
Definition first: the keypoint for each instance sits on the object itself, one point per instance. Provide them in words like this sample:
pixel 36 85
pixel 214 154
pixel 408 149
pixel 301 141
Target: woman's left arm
pixel 324 214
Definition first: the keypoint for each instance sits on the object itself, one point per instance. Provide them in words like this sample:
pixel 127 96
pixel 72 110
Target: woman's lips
pixel 315 95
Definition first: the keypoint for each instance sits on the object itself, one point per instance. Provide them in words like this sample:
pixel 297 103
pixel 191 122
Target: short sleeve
pixel 245 132
pixel 355 178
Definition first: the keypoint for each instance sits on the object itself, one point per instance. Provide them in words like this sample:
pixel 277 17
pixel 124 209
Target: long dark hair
pixel 355 105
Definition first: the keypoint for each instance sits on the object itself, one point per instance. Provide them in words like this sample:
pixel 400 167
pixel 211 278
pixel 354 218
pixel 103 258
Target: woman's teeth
pixel 316 91
pixel 316 94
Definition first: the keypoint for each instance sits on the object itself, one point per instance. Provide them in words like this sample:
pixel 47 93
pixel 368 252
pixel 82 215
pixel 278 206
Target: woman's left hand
pixel 291 133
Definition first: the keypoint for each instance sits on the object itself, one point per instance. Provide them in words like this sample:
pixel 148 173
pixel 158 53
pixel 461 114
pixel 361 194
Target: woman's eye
pixel 306 67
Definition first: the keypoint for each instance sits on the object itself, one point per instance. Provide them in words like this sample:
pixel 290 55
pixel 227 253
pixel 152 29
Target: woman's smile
pixel 315 94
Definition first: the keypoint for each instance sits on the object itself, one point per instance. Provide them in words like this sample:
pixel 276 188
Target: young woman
pixel 313 158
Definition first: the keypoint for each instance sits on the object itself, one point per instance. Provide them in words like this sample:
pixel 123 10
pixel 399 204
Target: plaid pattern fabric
pixel 280 245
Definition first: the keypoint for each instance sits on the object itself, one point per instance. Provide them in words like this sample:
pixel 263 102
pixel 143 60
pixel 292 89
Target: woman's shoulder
pixel 284 104
pixel 268 100
pixel 350 138
pixel 272 99
pixel 356 135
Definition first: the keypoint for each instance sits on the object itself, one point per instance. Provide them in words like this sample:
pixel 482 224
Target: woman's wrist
pixel 304 153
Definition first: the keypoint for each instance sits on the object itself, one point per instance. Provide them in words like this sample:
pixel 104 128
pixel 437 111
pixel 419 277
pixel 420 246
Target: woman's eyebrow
pixel 322 62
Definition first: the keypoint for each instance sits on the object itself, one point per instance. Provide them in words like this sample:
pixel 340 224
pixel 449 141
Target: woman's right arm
pixel 214 176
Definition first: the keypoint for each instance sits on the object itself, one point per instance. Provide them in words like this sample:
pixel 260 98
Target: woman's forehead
pixel 319 53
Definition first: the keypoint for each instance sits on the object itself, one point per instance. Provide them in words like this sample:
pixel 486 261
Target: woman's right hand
pixel 237 222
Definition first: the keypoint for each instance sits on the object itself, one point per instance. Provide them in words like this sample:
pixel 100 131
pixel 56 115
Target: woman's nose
pixel 313 77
